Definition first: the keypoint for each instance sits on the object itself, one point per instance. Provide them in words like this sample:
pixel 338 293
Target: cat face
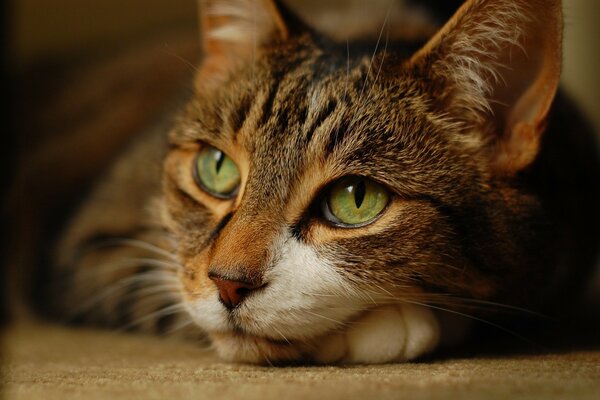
pixel 307 185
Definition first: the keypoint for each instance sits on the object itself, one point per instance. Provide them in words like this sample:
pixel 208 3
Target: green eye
pixel 216 173
pixel 355 201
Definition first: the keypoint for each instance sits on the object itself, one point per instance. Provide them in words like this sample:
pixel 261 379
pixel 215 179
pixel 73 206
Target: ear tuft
pixel 501 62
pixel 474 59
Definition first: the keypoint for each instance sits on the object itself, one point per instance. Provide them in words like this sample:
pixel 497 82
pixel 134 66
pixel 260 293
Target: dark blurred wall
pixel 8 140
pixel 46 28
pixel 581 72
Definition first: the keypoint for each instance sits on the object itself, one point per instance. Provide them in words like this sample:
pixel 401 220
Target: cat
pixel 325 201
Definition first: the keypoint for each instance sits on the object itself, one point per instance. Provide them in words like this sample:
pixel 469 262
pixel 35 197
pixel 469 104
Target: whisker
pixel 126 263
pixel 495 305
pixel 467 302
pixel 376 48
pixel 90 275
pixel 140 244
pixel 368 73
pixel 188 63
pixel 509 307
pixel 169 310
pixel 179 327
pixel 474 318
pixel 281 334
pixel 319 294
pixel 172 289
pixel 382 289
pixel 268 360
pixel 387 38
pixel 146 277
pixel 337 322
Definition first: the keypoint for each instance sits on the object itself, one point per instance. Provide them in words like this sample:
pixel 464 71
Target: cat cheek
pixel 194 277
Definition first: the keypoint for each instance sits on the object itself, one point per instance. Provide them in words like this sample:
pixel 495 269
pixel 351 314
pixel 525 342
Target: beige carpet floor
pixel 53 362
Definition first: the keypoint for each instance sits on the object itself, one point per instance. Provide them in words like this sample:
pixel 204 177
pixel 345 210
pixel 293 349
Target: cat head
pixel 309 181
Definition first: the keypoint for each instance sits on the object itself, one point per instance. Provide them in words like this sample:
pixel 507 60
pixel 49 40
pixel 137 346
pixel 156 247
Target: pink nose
pixel 232 292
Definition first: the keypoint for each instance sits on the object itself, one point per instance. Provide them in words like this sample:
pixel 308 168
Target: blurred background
pixel 80 75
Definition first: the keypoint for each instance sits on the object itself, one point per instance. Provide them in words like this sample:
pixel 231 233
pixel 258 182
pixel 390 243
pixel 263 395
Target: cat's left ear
pixel 233 31
pixel 499 61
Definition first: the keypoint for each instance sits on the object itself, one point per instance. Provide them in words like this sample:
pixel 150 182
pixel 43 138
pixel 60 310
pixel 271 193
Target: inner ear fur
pixel 231 33
pixel 501 62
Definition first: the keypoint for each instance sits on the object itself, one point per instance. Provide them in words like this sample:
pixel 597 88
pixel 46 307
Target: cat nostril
pixel 232 292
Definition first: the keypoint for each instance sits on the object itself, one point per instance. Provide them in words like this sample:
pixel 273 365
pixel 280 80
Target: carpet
pixel 43 361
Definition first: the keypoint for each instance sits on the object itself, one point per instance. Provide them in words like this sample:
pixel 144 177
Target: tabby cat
pixel 332 201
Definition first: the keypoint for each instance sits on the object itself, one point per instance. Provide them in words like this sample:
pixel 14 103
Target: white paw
pixel 422 331
pixel 378 337
pixel 385 334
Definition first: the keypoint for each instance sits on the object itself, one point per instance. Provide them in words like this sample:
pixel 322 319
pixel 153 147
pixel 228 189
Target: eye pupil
pixel 359 193
pixel 220 157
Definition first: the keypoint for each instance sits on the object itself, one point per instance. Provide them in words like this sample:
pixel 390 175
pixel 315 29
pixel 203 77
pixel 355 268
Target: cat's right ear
pixel 498 64
pixel 233 32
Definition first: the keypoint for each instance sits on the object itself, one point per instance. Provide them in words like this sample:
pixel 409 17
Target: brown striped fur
pixel 493 182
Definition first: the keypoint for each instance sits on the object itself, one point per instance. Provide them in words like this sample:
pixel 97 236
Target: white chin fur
pixel 386 334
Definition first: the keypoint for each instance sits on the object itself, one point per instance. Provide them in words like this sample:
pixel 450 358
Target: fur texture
pixel 483 214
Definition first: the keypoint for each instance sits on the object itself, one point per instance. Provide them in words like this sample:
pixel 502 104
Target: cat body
pixel 328 201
